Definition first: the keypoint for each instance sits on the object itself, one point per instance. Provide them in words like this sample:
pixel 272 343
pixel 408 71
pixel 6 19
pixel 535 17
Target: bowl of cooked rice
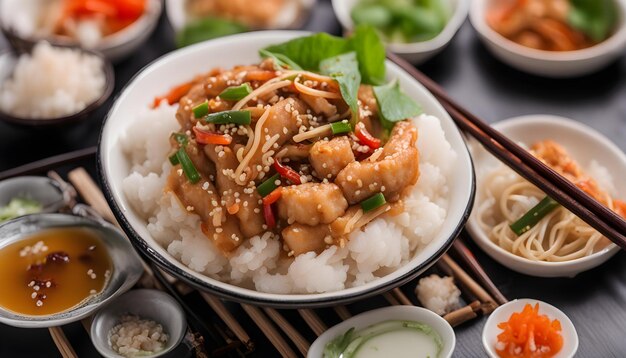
pixel 516 224
pixel 255 183
pixel 53 85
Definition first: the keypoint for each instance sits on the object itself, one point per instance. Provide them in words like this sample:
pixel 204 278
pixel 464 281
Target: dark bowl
pixel 109 75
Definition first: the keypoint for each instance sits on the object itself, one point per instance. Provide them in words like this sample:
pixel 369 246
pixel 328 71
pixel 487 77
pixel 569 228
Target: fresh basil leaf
pixel 206 29
pixel 596 18
pixel 309 51
pixel 280 61
pixel 345 70
pixel 370 53
pixel 394 105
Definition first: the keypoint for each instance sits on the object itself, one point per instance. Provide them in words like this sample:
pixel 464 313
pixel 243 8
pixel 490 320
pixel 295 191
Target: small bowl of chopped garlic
pixel 140 323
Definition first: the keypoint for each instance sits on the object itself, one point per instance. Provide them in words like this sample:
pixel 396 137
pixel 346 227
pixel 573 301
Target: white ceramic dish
pixel 115 47
pixel 291 17
pixel 502 314
pixel 182 64
pixel 550 63
pixel 417 52
pixel 405 313
pixel 584 144
pixel 147 304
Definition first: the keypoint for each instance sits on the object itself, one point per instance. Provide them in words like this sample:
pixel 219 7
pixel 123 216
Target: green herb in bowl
pixel 403 21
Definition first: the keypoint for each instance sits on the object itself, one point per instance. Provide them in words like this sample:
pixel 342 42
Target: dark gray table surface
pixel 594 300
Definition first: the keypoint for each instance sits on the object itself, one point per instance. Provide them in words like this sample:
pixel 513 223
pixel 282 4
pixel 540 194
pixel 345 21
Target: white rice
pixel 52 82
pixel 384 245
pixel 135 337
pixel 438 294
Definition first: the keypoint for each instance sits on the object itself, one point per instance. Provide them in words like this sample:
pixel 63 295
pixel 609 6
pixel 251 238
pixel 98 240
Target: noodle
pixel 316 93
pixel 255 145
pixel 265 88
pixel 560 236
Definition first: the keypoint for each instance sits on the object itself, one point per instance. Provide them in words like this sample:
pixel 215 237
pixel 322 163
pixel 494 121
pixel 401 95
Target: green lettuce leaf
pixel 206 29
pixel 596 18
pixel 345 70
pixel 394 105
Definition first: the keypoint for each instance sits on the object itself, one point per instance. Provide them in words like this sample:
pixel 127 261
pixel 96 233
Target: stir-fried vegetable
pixel 174 95
pixel 365 137
pixel 227 117
pixel 206 137
pixel 287 173
pixel 268 212
pixel 18 207
pixel 534 215
pixel 181 138
pixel 236 93
pixel 340 127
pixel 188 168
pixel 373 202
pixel 268 186
pixel 529 334
pixel 201 110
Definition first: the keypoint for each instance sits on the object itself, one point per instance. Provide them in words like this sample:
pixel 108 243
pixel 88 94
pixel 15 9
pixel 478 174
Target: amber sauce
pixel 52 271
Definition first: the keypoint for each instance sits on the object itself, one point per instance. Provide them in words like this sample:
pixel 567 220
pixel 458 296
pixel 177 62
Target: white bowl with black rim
pixel 185 63
pixel 585 145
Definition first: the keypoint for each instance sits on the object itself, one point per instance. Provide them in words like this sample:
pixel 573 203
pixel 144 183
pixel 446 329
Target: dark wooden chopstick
pixel 43 165
pixel 525 164
pixel 467 257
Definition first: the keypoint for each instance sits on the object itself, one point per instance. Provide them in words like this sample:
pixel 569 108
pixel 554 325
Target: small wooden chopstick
pixel 466 280
pixel 470 261
pixel 46 164
pixel 463 314
pixel 63 344
pixel 218 306
pixel 342 312
pixel 298 340
pixel 525 164
pixel 312 319
pixel 268 329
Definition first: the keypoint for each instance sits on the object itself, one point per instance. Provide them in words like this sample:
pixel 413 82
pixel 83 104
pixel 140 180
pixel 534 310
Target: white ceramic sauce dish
pixel 416 52
pixel 185 63
pixel 403 313
pixel 584 145
pixel 502 314
pixel 550 63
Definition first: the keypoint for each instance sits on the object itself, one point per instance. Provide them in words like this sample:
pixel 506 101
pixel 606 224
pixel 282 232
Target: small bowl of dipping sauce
pixel 53 85
pixel 140 323
pixel 553 332
pixel 29 195
pixel 398 331
pixel 57 268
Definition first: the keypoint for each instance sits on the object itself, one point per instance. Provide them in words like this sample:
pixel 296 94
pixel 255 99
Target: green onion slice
pixel 227 117
pixel 534 215
pixel 188 168
pixel 340 127
pixel 236 93
pixel 181 138
pixel 373 202
pixel 268 186
pixel 201 110
pixel 174 159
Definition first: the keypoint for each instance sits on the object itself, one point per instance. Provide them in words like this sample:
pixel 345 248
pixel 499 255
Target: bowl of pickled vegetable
pixel 414 29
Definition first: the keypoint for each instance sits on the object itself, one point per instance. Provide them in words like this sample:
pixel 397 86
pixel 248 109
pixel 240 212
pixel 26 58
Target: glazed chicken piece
pixel 328 158
pixel 282 124
pixel 237 202
pixel 311 203
pixel 295 152
pixel 395 169
pixel 222 229
pixel 200 161
pixel 319 105
pixel 304 238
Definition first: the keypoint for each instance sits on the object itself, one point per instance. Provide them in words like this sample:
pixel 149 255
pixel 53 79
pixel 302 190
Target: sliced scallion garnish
pixel 236 93
pixel 201 110
pixel 181 138
pixel 227 117
pixel 188 168
pixel 340 127
pixel 268 186
pixel 534 215
pixel 174 159
pixel 373 202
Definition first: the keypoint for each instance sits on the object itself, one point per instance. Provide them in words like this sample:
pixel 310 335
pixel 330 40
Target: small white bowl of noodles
pixel 170 236
pixel 560 245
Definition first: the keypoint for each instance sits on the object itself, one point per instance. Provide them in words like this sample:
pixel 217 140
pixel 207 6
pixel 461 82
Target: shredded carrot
pixel 174 95
pixel 528 334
